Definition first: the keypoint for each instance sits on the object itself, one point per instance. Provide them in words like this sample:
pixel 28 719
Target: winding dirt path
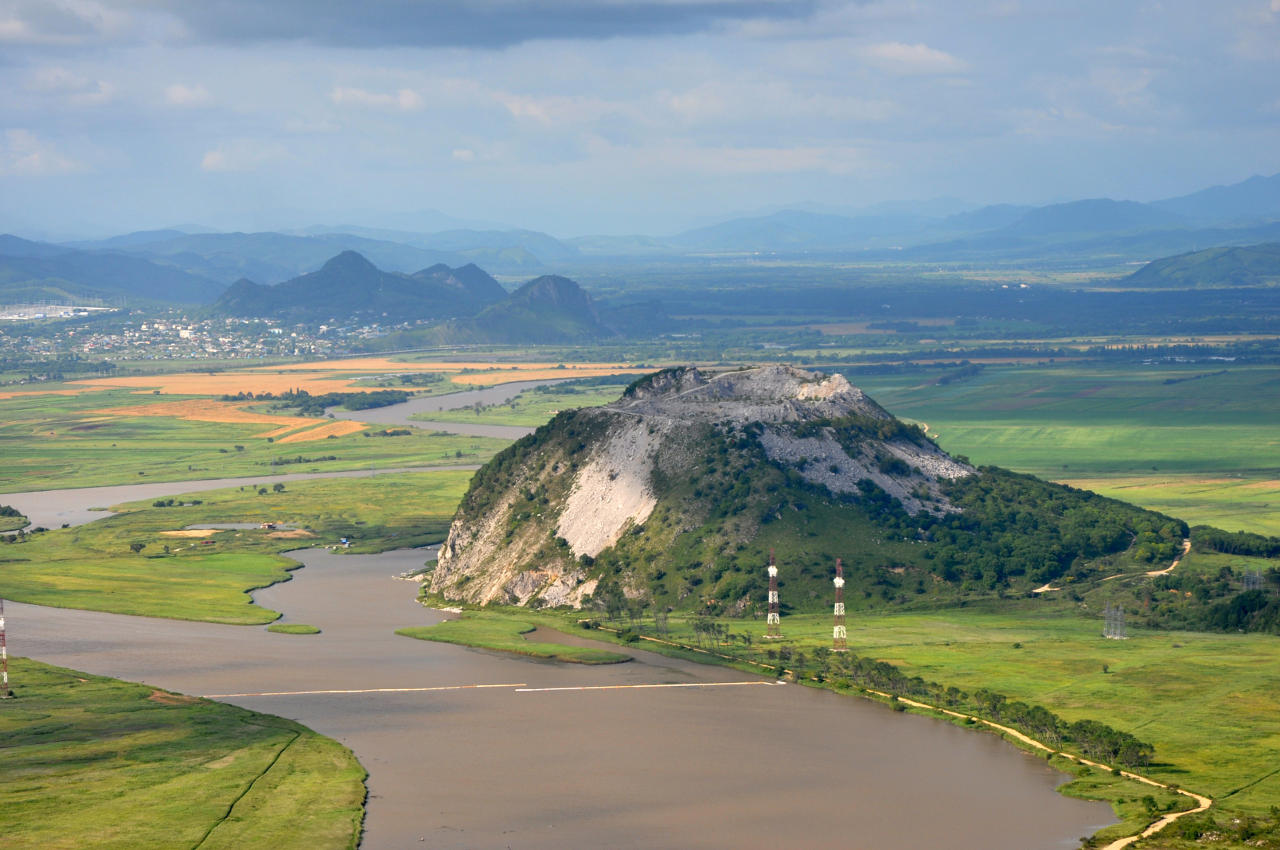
pixel 1202 802
pixel 1186 548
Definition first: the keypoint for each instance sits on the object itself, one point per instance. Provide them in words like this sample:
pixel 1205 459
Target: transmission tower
pixel 839 635
pixel 1253 581
pixel 1114 627
pixel 5 693
pixel 773 623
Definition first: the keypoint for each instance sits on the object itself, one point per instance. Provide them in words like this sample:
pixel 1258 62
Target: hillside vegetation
pixel 675 494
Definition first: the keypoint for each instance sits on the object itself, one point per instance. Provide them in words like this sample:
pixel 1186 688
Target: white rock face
pixel 607 485
pixel 613 490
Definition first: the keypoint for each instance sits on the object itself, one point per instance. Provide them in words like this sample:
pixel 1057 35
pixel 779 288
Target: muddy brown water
pixel 728 766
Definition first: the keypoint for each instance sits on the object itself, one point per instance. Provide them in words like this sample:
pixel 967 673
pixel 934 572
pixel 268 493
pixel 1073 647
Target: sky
pixel 615 116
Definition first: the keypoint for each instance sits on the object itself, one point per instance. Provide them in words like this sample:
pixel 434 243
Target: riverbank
pixel 95 761
pixel 1171 689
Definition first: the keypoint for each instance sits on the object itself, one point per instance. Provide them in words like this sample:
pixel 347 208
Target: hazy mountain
pixel 16 246
pixel 547 309
pixel 1252 265
pixel 798 230
pixel 1098 215
pixel 1257 198
pixel 985 218
pixel 53 273
pixel 268 257
pixel 349 286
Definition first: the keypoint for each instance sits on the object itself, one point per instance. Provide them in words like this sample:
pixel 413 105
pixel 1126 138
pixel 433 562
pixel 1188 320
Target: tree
pixel 135 548
pixel 277 487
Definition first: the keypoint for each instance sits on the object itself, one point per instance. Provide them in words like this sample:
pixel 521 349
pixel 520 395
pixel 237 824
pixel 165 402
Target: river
pixel 456 766
pixel 399 414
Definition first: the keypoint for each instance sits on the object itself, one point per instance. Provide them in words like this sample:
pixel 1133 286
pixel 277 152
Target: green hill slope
pixel 1251 265
pixel 676 493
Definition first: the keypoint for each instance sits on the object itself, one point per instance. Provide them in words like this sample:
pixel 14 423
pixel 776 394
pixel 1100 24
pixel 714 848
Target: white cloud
pixel 900 58
pixel 405 100
pixel 464 154
pixel 23 154
pixel 241 155
pixel 179 94
pixel 75 88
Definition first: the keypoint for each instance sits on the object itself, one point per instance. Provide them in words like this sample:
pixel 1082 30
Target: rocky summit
pixel 674 493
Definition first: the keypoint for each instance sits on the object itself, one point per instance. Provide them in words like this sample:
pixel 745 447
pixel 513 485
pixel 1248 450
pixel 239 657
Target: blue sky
pixel 615 116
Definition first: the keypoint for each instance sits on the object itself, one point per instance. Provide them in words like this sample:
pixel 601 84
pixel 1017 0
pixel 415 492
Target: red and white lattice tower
pixel 773 623
pixel 5 693
pixel 839 635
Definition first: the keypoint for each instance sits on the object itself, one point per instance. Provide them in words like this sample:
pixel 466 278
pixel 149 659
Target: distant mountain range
pixel 349 287
pixel 180 267
pixel 547 309
pixel 37 271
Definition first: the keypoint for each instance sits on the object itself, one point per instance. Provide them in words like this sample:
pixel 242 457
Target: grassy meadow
pixel 1196 441
pixel 487 630
pixel 61 441
pixel 92 761
pixel 532 407
pixel 177 575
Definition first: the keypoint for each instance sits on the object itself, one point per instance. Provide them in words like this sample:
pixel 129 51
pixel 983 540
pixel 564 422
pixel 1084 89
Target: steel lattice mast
pixel 5 693
pixel 773 624
pixel 839 635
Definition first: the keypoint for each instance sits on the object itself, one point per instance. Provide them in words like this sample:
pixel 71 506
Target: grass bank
pixel 97 762
pixel 501 632
pixel 145 561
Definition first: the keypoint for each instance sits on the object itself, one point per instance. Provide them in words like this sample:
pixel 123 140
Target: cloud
pixel 74 88
pixel 899 58
pixel 23 154
pixel 241 155
pixel 464 155
pixel 462 23
pixel 406 100
pixel 59 22
pixel 183 95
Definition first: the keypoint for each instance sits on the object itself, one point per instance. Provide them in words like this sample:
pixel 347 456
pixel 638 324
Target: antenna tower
pixel 839 635
pixel 773 627
pixel 5 693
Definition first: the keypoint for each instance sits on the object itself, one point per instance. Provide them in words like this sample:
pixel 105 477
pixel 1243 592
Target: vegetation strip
pixel 1202 802
pixel 362 691
pixel 664 685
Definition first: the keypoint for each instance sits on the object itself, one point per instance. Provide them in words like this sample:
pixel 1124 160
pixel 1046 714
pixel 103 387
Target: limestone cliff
pixel 702 448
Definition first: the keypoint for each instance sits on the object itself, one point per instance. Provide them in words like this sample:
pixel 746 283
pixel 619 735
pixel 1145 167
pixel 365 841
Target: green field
pixel 94 566
pixel 1197 441
pixel 293 629
pixel 486 630
pixel 53 442
pixel 97 762
pixel 531 407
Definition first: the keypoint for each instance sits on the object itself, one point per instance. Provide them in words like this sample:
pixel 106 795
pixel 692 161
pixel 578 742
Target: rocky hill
pixel 675 493
pixel 348 285
pixel 546 310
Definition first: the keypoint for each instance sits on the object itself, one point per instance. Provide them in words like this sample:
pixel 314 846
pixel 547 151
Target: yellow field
pixel 190 532
pixel 335 376
pixel 208 410
pixel 488 379
pixel 383 364
pixel 337 429
pixel 227 383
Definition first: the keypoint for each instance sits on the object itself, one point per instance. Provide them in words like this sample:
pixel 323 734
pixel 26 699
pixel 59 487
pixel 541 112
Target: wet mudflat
pixel 538 762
